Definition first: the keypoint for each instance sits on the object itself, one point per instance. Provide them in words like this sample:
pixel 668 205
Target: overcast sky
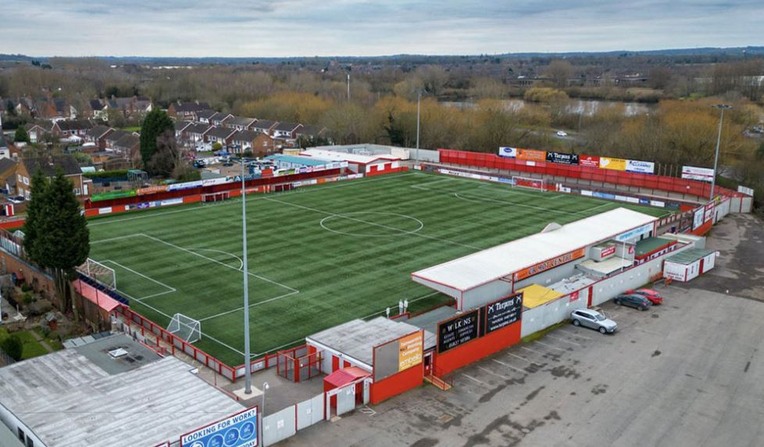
pixel 267 28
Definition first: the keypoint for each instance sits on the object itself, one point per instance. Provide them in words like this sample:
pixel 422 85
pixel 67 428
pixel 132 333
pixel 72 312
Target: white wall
pixel 13 423
pixel 485 294
pixel 551 313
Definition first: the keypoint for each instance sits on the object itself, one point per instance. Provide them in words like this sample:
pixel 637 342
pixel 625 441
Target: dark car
pixel 633 300
pixel 650 294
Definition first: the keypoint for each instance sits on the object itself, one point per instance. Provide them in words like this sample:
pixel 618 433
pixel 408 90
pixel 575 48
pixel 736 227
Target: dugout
pixel 389 352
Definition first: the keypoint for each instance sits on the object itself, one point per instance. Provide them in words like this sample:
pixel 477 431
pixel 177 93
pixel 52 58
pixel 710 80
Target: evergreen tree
pixel 21 135
pixel 156 123
pixel 56 234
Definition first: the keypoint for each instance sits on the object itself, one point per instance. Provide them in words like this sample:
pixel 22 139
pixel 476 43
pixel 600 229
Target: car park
pixel 594 320
pixel 650 294
pixel 633 300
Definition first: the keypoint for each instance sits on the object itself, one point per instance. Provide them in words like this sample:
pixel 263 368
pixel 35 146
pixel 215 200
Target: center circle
pixel 371 224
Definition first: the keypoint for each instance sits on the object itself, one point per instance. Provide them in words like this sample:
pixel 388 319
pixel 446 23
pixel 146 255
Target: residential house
pixel 134 106
pixel 180 129
pixel 37 131
pixel 49 166
pixel 112 138
pixel 286 131
pixel 311 132
pixel 186 110
pixel 8 175
pixel 264 126
pixel 219 118
pixel 263 145
pixel 204 116
pixel 129 148
pixel 240 123
pixel 98 110
pixel 221 135
pixel 66 129
pixel 97 135
pixel 55 109
pixel 195 133
pixel 243 140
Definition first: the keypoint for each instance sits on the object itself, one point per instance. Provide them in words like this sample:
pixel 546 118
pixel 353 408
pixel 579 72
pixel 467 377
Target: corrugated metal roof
pixel 357 338
pixel 470 271
pixel 67 399
pixel 689 256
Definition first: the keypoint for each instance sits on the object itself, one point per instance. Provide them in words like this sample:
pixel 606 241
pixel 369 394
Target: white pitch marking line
pixel 111 239
pixel 177 247
pixel 169 289
pixel 372 223
pixel 564 340
pixel 509 366
pixel 493 373
pixel 476 380
pixel 550 346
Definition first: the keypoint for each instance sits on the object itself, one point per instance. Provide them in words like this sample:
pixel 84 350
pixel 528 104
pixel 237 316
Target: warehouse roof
pixel 498 262
pixel 84 396
pixel 344 156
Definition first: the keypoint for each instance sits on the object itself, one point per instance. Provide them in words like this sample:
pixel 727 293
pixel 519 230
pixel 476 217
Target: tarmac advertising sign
pixel 239 430
pixel 503 312
pixel 457 331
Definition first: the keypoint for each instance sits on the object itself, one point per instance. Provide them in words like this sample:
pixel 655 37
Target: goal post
pixel 538 184
pixel 216 196
pixel 185 327
pixel 102 274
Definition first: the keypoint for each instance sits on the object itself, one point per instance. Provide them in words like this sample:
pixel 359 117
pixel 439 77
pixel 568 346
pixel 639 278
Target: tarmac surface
pixel 686 373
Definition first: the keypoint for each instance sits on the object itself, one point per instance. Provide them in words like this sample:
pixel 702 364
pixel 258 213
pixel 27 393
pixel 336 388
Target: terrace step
pixel 437 382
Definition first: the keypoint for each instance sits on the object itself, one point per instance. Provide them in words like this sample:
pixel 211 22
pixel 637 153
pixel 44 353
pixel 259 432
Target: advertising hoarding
pixel 591 161
pixel 503 312
pixel 410 350
pixel 694 173
pixel 616 164
pixel 239 430
pixel 562 158
pixel 531 155
pixel 510 152
pixel 643 167
pixel 549 264
pixel 457 331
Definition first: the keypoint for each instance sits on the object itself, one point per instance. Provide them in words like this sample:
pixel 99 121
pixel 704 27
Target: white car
pixel 562 133
pixel 593 320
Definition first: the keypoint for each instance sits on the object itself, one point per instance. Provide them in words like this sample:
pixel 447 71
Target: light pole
pixel 245 271
pixel 348 87
pixel 418 108
pixel 721 107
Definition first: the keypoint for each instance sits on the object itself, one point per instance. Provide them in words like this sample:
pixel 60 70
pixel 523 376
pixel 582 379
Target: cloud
pixel 254 28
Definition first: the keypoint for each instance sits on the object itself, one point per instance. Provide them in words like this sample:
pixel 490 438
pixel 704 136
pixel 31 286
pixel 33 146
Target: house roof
pixel 246 135
pixel 96 104
pixel 191 106
pixel 220 132
pixel 288 127
pixel 49 165
pixel 127 142
pixel 159 398
pixel 220 116
pixel 205 114
pixel 117 135
pixel 74 125
pixel 240 121
pixel 264 124
pixel 497 262
pixel 199 128
pixel 181 125
pixel 98 131
pixel 7 164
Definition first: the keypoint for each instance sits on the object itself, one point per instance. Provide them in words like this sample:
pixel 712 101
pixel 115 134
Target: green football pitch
pixel 317 256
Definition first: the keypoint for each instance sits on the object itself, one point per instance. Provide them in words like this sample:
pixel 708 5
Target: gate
pixel 310 412
pixel 346 399
pixel 298 364
pixel 279 426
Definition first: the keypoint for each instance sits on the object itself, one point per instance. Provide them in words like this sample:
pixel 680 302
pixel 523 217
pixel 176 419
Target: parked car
pixel 633 300
pixel 16 199
pixel 650 294
pixel 594 320
pixel 562 134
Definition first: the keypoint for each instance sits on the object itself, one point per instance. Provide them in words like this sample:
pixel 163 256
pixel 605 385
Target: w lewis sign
pixel 239 430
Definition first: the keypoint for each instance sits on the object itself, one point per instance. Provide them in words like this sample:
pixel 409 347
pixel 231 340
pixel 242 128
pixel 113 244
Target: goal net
pixel 186 328
pixel 539 184
pixel 216 196
pixel 102 274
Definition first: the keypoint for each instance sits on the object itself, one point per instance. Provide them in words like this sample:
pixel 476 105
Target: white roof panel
pixel 343 156
pixel 470 271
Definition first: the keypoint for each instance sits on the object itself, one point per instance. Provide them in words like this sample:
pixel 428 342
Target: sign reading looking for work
pixel 457 331
pixel 503 312
pixel 239 430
